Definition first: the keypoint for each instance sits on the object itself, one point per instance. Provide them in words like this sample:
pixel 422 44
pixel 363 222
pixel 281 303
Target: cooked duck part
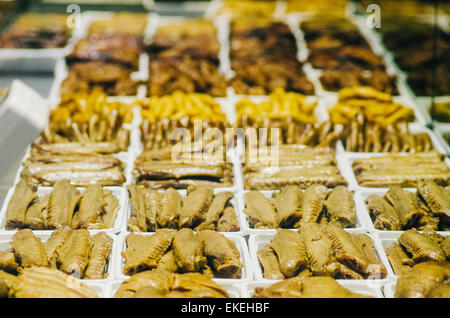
pixel 137 199
pixel 92 207
pixel 62 202
pixel 442 291
pixel 422 279
pixel 221 253
pixel 228 222
pixel 405 205
pixel 319 250
pixel 197 286
pixel 29 249
pixel 341 207
pixel 421 247
pixel 152 206
pixel 195 206
pixel 148 292
pixel 188 250
pixel 366 246
pixel 345 272
pixel 100 253
pixel 168 263
pixel 171 204
pixel 349 253
pixel 56 240
pixel 144 252
pixel 111 209
pixel 7 281
pixel 313 201
pixel 269 262
pixel 306 287
pixel 73 255
pixel 435 196
pixel 36 213
pixel 215 210
pixel 260 211
pixel 290 250
pixel 386 216
pixel 445 245
pixel 18 204
pixel 288 203
pixel 399 260
pixel 70 148
pixel 8 261
pixel 159 280
pixel 42 282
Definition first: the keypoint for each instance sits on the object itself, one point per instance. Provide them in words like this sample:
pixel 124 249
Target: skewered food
pixel 306 287
pixel 402 170
pixel 414 247
pixel 291 165
pixel 96 208
pixel 182 251
pixel 291 207
pixel 162 116
pixel 337 47
pixel 179 168
pixel 320 250
pixel 429 209
pixel 37 31
pixel 424 280
pixel 162 284
pixel 73 252
pixel 44 282
pixel 200 209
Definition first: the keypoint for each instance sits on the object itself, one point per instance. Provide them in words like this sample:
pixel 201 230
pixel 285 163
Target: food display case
pixel 224 148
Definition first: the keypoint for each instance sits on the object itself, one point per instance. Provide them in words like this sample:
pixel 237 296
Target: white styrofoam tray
pixel 5 240
pixel 240 242
pixel 257 242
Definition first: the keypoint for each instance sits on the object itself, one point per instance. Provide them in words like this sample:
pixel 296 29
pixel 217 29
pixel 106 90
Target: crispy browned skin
pixel 421 247
pixel 288 203
pixel 195 206
pixel 306 287
pixel 18 205
pixel 144 252
pixel 398 258
pixel 221 253
pixel 386 216
pixel 341 207
pixel 100 253
pixel 422 279
pixel 29 249
pixel 188 250
pixel 260 211
pixel 290 251
pixel 42 282
pixel 269 263
pixel 405 204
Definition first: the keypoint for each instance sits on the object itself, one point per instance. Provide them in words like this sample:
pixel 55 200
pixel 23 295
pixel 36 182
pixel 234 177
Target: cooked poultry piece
pixel 73 256
pixel 260 210
pixel 144 252
pixel 221 253
pixel 312 205
pixel 195 285
pixel 228 222
pixel 36 213
pixel 54 243
pixel 171 204
pixel 42 282
pixel 37 31
pixel 340 207
pixel 168 263
pixel 269 262
pixel 399 260
pixel 101 249
pixel 7 281
pixel 29 249
pixel 215 209
pixel 91 207
pixel 195 206
pixel 386 217
pixel 445 245
pixel 435 196
pixel 249 9
pixel 188 251
pixel 160 281
pixel 138 221
pixel 421 247
pixel 22 197
pixel 8 261
pixel 405 205
pixel 62 203
pixel 290 250
pixel 319 250
pixel 288 203
pixel 350 252
pixel 422 280
pixel 306 287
